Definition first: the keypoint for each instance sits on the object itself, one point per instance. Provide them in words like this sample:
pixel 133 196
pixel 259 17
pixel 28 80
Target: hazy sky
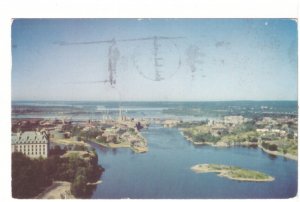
pixel 214 59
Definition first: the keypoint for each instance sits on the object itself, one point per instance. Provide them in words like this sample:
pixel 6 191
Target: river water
pixel 164 171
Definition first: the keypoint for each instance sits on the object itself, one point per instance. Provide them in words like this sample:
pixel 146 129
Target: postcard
pixel 158 108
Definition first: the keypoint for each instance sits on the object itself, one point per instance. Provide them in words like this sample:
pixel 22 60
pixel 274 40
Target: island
pixel 233 172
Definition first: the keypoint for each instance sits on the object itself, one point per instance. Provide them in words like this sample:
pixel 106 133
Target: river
pixel 164 171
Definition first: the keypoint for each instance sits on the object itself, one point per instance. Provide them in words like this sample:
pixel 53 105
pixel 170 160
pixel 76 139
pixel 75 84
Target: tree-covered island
pixel 233 172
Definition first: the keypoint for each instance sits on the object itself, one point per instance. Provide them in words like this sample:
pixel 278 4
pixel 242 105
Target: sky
pixel 154 59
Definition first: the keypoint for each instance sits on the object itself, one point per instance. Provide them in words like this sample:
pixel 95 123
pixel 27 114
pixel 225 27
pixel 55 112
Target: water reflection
pixel 114 151
pixel 272 156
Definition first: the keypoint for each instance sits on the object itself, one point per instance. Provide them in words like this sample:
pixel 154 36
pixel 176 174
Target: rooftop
pixel 29 137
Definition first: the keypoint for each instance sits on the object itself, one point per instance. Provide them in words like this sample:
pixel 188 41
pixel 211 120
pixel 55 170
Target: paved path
pixel 58 190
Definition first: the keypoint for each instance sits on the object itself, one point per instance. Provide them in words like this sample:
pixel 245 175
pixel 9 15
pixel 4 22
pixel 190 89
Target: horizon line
pixel 242 100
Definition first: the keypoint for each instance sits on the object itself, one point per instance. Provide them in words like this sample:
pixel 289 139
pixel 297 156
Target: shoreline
pixel 223 144
pixel 122 145
pixel 94 183
pixel 276 153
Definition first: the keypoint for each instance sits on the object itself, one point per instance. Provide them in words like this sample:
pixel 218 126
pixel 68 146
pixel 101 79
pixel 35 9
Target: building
pixel 218 130
pixel 263 130
pixel 234 120
pixel 32 144
pixel 169 123
pixel 110 135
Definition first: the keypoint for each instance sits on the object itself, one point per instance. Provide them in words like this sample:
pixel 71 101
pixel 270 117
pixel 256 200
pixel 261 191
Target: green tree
pixel 253 139
pixel 28 176
pixel 79 185
pixel 290 135
pixel 284 150
pixel 273 147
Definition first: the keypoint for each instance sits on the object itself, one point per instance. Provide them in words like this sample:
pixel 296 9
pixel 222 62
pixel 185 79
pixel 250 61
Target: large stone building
pixel 31 143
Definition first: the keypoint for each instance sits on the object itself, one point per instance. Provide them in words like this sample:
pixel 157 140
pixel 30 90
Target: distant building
pixel 32 144
pixel 218 129
pixel 169 123
pixel 121 117
pixel 262 130
pixel 269 120
pixel 110 134
pixel 234 120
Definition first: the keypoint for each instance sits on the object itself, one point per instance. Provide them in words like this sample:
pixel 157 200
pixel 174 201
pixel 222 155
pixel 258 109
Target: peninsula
pixel 274 134
pixel 119 133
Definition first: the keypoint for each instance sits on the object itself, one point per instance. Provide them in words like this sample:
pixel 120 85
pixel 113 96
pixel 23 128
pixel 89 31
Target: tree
pixel 284 150
pixel 20 180
pixel 79 148
pixel 28 177
pixel 57 151
pixel 79 185
pixel 273 147
pixel 265 145
pixel 253 139
pixel 290 135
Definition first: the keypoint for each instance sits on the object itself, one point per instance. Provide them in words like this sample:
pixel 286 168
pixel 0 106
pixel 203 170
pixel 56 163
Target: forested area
pixel 31 176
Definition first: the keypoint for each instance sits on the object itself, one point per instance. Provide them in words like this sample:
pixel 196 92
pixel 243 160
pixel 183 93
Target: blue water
pixel 164 172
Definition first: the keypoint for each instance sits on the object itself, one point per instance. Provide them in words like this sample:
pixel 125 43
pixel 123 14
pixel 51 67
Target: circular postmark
pixel 156 59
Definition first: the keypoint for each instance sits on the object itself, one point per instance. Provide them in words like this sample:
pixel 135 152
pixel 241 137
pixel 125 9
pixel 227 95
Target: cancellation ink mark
pixel 114 56
pixel 158 60
pixel 193 58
